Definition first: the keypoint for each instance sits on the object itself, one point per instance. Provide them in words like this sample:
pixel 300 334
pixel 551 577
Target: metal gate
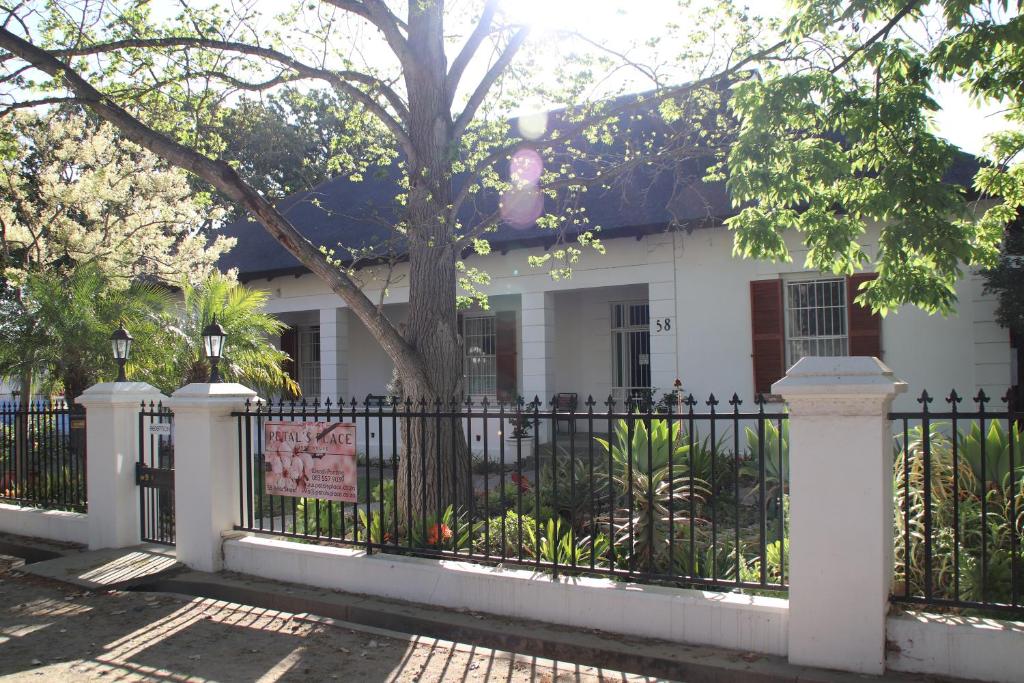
pixel 154 473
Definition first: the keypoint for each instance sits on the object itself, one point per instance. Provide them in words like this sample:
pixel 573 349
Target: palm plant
pixel 56 333
pixel 249 357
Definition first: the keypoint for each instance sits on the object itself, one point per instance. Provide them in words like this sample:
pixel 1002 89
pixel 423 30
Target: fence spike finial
pixel 953 399
pixel 981 399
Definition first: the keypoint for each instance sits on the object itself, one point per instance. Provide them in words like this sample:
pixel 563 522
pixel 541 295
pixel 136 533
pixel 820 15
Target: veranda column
pixel 661 298
pixel 333 353
pixel 206 491
pixel 538 348
pixel 841 510
pixel 112 449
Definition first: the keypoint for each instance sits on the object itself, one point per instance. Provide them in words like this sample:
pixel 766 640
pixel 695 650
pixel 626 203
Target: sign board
pixel 310 460
pixel 160 428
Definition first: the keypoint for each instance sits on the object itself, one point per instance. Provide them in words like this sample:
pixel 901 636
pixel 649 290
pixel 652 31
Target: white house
pixel 668 300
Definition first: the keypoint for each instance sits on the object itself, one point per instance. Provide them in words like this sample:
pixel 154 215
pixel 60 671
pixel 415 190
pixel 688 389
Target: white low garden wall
pixel 961 647
pixel 740 622
pixel 56 525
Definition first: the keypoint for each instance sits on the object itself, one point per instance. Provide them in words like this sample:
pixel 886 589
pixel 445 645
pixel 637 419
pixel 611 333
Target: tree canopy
pixel 841 133
pixel 72 192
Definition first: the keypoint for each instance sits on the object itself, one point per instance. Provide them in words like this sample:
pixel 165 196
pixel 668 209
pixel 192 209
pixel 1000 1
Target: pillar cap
pixel 839 376
pixel 211 395
pixel 119 393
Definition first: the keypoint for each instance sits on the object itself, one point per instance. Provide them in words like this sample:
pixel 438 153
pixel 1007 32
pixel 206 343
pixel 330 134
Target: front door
pixel 631 352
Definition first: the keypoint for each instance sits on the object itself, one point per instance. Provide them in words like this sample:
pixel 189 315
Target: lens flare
pixel 525 167
pixel 521 206
pixel 532 126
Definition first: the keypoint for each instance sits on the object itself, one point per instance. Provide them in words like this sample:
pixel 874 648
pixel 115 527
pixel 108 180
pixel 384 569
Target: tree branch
pixel 882 33
pixel 338 79
pixel 225 179
pixel 28 104
pixel 465 56
pixel 378 14
pixel 482 88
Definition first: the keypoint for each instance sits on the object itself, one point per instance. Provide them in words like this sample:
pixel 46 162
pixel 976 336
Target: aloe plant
pixel 559 544
pixel 776 457
pixel 996 445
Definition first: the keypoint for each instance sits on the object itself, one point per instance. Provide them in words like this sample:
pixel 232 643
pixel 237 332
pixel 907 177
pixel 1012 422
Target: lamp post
pixel 121 342
pixel 213 345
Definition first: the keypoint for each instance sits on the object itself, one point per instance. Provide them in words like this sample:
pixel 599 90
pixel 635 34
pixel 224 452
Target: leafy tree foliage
pixel 840 134
pixel 74 193
pixel 289 141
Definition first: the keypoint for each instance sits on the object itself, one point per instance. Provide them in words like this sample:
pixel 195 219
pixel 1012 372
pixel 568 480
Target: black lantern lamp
pixel 121 342
pixel 213 345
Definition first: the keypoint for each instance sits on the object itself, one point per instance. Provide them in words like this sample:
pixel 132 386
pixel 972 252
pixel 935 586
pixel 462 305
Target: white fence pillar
pixel 206 491
pixel 112 449
pixel 538 349
pixel 333 353
pixel 841 510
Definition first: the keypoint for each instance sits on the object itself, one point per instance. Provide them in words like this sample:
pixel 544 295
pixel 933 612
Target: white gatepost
pixel 112 449
pixel 206 491
pixel 841 510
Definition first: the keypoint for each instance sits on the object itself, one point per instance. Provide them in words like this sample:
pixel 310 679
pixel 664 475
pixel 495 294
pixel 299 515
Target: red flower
pixel 438 532
pixel 519 480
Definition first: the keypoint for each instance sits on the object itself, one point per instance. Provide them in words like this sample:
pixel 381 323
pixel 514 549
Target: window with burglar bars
pixel 816 319
pixel 480 356
pixel 631 350
pixel 309 360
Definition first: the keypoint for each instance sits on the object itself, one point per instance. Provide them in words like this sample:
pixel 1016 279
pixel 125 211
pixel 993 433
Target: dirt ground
pixel 52 632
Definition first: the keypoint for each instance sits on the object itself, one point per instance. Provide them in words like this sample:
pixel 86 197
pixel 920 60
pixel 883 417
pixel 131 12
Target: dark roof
pixel 358 214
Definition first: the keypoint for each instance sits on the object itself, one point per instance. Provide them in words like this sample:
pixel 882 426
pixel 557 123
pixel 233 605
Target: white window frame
pixel 826 342
pixel 479 360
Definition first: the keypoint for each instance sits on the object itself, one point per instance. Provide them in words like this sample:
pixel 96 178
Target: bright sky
pixel 963 122
pixel 610 21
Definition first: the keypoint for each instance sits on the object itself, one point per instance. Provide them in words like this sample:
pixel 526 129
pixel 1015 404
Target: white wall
pixel 56 525
pixel 927 351
pixel 739 622
pixel 712 319
pixel 962 647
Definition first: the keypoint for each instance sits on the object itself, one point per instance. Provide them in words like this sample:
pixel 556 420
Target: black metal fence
pixel 959 487
pixel 659 494
pixel 154 473
pixel 42 455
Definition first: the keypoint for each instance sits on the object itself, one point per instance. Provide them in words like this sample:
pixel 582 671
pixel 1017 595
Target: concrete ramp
pixel 110 568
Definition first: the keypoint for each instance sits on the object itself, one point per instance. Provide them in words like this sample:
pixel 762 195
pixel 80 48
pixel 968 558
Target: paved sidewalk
pixel 108 569
pixel 51 631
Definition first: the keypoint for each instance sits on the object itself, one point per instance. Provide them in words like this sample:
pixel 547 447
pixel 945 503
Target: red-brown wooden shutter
pixel 865 327
pixel 768 333
pixel 290 345
pixel 505 355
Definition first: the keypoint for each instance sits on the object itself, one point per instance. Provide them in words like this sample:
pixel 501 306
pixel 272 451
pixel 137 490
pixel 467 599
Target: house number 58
pixel 663 324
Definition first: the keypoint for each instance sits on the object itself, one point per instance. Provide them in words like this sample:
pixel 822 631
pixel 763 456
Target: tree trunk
pixel 21 433
pixel 434 466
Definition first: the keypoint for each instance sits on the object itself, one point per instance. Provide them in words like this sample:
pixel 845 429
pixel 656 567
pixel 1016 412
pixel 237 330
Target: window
pixel 480 356
pixel 814 316
pixel 309 360
pixel 631 350
pixel 816 319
